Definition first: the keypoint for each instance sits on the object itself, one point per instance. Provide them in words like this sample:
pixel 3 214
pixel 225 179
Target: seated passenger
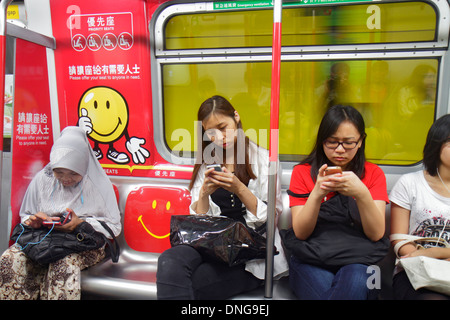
pixel 239 192
pixel 317 273
pixel 421 206
pixel 73 180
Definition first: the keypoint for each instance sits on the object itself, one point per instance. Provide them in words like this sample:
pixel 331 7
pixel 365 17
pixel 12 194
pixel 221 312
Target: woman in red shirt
pixel 340 142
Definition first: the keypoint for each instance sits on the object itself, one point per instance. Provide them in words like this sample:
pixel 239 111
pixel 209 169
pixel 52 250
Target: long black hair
pixel 328 126
pixel 220 105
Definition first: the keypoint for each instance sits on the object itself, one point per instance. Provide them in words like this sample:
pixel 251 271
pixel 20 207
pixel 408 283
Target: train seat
pixel 146 225
pixel 134 276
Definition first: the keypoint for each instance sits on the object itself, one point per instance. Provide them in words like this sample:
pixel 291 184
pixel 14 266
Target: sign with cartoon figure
pixel 103 75
pixel 103 114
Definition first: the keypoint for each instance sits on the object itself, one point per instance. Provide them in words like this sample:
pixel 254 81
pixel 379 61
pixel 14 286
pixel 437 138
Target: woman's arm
pixel 230 182
pixel 372 213
pixel 201 205
pixel 434 252
pixel 254 196
pixel 400 224
pixel 304 218
pixel 247 197
pixel 259 187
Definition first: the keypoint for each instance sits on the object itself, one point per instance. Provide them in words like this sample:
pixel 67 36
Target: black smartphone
pixel 216 167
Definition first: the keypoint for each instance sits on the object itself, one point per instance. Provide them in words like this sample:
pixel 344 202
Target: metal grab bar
pixel 273 149
pixel 3 8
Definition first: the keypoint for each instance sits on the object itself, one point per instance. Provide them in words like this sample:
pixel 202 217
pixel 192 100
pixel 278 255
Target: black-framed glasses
pixel 347 145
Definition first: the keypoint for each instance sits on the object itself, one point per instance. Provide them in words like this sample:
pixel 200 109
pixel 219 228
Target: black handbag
pixel 218 238
pixel 44 245
pixel 338 238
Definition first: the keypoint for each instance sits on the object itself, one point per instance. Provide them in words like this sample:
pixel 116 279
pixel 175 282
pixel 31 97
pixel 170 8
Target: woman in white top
pixel 73 180
pixel 421 206
pixel 238 191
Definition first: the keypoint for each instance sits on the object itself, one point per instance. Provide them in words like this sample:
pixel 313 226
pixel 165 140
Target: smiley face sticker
pixel 147 216
pixel 103 113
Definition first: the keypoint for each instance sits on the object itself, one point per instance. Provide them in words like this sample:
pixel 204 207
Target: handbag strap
pixel 408 238
pixel 113 245
pixel 297 195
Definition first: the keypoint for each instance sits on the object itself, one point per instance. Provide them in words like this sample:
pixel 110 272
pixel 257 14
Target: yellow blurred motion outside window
pixel 304 26
pixel 397 97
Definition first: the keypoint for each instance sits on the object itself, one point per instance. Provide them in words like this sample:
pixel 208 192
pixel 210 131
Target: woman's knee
pixel 178 260
pixel 352 282
pixel 184 255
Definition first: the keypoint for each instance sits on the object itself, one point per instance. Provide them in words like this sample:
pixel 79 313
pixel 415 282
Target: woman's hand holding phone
pixel 35 220
pixel 333 170
pixel 59 220
pixel 344 182
pixel 70 225
pixel 227 180
pixel 209 186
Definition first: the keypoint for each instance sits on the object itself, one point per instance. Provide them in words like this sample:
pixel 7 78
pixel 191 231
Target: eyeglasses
pixel 347 145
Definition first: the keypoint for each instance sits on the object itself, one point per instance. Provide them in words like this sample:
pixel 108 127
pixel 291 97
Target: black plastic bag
pixel 217 238
pixel 45 246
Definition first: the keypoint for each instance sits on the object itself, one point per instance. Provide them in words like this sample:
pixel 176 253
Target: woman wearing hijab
pixel 73 181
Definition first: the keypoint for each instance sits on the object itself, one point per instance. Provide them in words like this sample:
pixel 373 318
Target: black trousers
pixel 183 275
pixel 403 290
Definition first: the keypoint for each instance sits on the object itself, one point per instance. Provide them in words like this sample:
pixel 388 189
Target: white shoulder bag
pixel 424 272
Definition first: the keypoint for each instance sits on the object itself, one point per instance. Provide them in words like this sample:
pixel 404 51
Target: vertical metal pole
pixel 273 146
pixel 3 8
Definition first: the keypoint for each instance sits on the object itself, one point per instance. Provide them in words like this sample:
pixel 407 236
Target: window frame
pixel 160 57
pixel 441 38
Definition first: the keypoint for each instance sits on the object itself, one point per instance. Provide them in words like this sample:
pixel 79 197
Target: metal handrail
pixel 273 149
pixel 3 8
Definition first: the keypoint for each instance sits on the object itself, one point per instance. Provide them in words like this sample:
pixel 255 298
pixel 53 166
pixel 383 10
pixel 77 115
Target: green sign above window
pixel 265 4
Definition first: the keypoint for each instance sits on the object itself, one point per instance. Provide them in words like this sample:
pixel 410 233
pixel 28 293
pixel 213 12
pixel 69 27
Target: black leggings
pixel 403 290
pixel 183 275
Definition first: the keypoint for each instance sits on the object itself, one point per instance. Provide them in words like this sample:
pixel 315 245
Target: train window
pixel 393 77
pixel 396 97
pixel 304 26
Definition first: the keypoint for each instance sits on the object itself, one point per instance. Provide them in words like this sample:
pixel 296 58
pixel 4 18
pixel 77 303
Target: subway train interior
pixel 158 60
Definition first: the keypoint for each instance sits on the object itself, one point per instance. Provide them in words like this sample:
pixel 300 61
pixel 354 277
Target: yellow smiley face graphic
pixel 154 204
pixel 108 112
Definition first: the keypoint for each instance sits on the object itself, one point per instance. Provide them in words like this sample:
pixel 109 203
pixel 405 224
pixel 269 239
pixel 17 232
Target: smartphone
pixel 216 167
pixel 65 217
pixel 333 170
